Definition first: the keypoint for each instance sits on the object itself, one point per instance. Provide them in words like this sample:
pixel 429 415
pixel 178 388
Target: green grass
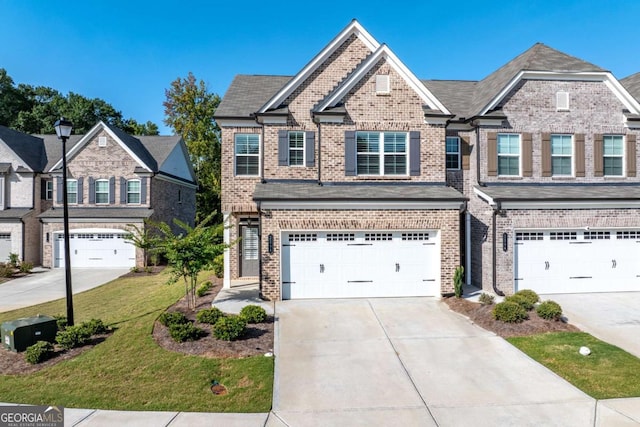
pixel 129 370
pixel 609 372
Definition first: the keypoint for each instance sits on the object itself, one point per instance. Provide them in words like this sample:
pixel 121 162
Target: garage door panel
pixel 91 249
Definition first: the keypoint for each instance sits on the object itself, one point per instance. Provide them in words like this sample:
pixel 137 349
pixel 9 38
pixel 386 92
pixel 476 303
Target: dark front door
pixel 249 251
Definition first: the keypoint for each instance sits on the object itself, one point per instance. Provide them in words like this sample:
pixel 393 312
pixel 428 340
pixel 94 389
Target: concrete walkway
pixel 49 284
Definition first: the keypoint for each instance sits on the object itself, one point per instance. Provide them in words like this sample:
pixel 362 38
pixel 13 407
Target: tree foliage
pixel 34 109
pixel 144 238
pixel 190 252
pixel 189 108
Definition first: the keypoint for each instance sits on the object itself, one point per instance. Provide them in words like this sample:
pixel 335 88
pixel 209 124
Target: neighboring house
pixel 341 180
pixel 22 160
pixel 334 180
pixel 114 179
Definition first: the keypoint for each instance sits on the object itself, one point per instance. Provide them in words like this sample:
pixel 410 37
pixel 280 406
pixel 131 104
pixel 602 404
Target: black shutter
pixel 43 189
pixel 414 153
pixel 350 153
pixel 310 149
pixel 143 190
pixel 112 190
pixel 59 189
pixel 123 191
pixel 92 190
pixel 80 192
pixel 283 148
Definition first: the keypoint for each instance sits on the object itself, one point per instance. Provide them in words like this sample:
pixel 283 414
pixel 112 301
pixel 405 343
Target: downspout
pixel 478 180
pixel 23 235
pixel 319 155
pixel 259 249
pixel 496 210
pixel 467 246
pixel 262 180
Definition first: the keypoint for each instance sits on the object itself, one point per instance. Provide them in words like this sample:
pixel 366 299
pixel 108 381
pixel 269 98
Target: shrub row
pixel 77 335
pixel 515 307
pixel 39 352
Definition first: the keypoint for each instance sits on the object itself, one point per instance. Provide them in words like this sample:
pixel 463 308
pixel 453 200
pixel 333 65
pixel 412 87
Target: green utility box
pixel 19 334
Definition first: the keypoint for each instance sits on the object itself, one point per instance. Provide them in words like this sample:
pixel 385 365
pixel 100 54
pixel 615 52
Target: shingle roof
pixel 314 192
pixel 159 147
pixel 29 148
pixel 99 213
pixel 248 93
pixel 561 192
pixel 14 213
pixel 456 95
pixel 53 147
pixel 136 146
pixel 632 84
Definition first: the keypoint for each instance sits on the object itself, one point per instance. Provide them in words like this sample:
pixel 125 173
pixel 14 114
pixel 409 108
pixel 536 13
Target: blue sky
pixel 128 52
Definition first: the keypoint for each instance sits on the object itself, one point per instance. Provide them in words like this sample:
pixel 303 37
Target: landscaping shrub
pixel 181 332
pixel 509 312
pixel 204 288
pixel 229 328
pixel 486 299
pixel 94 327
pixel 61 322
pixel 253 314
pixel 73 336
pixel 39 352
pixel 6 270
pixel 218 266
pixel 169 318
pixel 13 259
pixel 521 300
pixel 26 267
pixel 458 275
pixel 209 315
pixel 530 295
pixel 549 310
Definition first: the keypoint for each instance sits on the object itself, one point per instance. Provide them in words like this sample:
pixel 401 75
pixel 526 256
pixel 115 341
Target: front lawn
pixel 608 372
pixel 129 370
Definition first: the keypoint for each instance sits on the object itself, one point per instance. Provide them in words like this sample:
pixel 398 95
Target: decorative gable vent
pixel 562 101
pixel 102 141
pixel 383 87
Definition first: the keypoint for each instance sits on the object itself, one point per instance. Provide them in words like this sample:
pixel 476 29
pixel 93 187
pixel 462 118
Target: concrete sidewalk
pixel 45 285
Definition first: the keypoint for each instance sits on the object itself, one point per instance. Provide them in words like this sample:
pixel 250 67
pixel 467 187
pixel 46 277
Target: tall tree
pixel 189 110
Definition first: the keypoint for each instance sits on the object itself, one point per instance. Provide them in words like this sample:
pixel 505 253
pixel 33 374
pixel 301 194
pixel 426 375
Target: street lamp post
pixel 63 130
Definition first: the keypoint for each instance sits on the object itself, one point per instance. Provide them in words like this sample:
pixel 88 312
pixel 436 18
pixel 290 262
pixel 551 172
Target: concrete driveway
pixel 612 317
pixel 409 361
pixel 48 285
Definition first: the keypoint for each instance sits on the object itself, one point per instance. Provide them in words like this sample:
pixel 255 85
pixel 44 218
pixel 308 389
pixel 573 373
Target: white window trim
pixel 235 156
pixel 457 153
pixel 76 192
pixel 623 156
pixel 95 192
pixel 304 146
pixel 48 189
pixel 2 191
pixel 561 97
pixel 139 193
pixel 573 157
pixel 381 153
pixel 383 84
pixel 510 155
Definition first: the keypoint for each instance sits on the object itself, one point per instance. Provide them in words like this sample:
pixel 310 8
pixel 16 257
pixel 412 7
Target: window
pixel 509 154
pixel 247 154
pixel 102 191
pixel 613 152
pixel 48 192
pixel 561 155
pixel 72 191
pixel 453 152
pixel 381 153
pixel 133 191
pixel 296 148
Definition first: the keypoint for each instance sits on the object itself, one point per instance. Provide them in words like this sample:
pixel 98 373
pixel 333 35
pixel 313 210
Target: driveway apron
pixel 409 361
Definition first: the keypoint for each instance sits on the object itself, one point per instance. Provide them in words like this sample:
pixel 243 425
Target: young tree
pixel 190 252
pixel 144 238
pixel 189 110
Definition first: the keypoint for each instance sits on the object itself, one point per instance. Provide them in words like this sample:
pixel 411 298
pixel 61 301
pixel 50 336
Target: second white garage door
pixel 576 261
pixel 353 264
pixel 93 248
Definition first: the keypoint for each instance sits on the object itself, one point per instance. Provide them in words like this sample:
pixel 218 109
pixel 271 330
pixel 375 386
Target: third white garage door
pixel 353 264
pixel 575 261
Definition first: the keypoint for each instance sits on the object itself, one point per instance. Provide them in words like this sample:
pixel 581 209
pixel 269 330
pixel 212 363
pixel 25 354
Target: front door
pixel 249 251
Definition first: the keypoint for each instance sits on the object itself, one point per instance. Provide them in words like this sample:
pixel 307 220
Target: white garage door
pixel 353 264
pixel 5 246
pixel 106 248
pixel 574 261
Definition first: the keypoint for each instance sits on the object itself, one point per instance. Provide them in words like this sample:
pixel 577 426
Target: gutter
pixel 494 280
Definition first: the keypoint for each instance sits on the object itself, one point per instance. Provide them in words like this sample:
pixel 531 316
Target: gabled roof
pixel 454 94
pixel 171 155
pixel 247 94
pixel 382 53
pixel 354 28
pixel 53 148
pixel 632 84
pixel 29 149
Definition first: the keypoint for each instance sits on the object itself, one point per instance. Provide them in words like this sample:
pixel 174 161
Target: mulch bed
pixel 257 340
pixel 482 316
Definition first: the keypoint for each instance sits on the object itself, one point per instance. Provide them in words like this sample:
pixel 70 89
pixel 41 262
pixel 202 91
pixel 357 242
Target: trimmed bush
pixel 94 327
pixel 209 315
pixel 521 300
pixel 509 312
pixel 486 299
pixel 218 266
pixel 61 322
pixel 26 267
pixel 530 295
pixel 549 310
pixel 181 332
pixel 229 328
pixel 39 352
pixel 204 288
pixel 253 314
pixel 458 277
pixel 169 318
pixel 73 336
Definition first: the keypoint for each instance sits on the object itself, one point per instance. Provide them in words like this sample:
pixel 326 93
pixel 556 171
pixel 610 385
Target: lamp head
pixel 63 128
